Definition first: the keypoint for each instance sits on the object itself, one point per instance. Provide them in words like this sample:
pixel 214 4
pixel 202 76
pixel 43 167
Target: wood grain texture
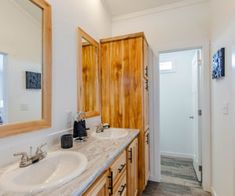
pixel 121 186
pixel 121 84
pixel 123 37
pixel 118 167
pixel 123 99
pixel 88 76
pixel 99 187
pixel 132 168
pixel 23 127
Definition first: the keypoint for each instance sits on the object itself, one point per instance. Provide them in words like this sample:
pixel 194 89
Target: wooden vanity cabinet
pixel 117 175
pixel 132 169
pixel 121 177
pixel 100 187
pixel 124 86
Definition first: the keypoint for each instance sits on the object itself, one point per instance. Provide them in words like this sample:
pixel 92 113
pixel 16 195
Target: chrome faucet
pixel 99 128
pixel 27 160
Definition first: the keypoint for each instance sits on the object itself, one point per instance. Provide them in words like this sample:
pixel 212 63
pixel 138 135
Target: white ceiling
pixel 120 7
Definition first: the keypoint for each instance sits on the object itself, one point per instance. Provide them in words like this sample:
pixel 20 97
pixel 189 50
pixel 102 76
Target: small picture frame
pixel 33 80
pixel 218 67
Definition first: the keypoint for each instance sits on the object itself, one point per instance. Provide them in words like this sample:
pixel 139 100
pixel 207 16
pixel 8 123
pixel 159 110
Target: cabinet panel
pixel 147 166
pixel 146 60
pixel 118 167
pixel 124 98
pixel 100 187
pixel 132 169
pixel 146 104
pixel 121 186
pixel 121 70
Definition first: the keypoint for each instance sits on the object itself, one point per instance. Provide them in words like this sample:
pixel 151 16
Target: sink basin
pixel 112 133
pixel 57 168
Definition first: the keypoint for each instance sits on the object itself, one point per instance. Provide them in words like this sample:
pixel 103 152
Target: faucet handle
pixel 24 155
pixel 39 149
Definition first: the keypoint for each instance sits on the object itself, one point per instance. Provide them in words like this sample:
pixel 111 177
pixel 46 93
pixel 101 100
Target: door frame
pixel 205 97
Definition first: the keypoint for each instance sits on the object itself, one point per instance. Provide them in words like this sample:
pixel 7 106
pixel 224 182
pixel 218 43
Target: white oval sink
pixel 111 133
pixel 57 168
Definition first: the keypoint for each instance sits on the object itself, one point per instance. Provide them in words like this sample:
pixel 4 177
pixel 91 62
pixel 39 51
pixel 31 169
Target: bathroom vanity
pixel 111 161
pixel 111 168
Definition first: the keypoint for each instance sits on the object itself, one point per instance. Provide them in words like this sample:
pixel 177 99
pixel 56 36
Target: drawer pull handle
pixel 131 154
pixel 147 138
pixel 121 168
pixel 147 85
pixel 122 189
pixel 111 183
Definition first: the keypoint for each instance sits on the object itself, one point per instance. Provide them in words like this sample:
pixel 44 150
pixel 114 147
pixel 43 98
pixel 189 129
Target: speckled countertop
pixel 100 154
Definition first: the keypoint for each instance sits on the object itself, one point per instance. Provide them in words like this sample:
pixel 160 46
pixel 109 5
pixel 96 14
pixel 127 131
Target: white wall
pixel 223 140
pixel 66 17
pixel 176 105
pixel 22 53
pixel 171 27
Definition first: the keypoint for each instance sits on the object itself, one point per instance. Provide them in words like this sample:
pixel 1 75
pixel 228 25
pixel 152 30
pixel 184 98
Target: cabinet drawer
pixel 99 187
pixel 118 167
pixel 120 189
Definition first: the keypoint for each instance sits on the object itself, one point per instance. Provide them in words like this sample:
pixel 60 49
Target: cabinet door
pixel 146 60
pixel 100 187
pixel 121 71
pixel 132 169
pixel 147 166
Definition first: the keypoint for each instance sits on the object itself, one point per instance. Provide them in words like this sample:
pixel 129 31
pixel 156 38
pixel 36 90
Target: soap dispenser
pixel 79 128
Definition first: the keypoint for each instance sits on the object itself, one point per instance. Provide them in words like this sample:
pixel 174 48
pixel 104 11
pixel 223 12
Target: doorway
pixel 180 122
pixel 3 103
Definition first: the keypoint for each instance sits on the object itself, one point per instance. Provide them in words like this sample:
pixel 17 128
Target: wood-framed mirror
pixel 25 66
pixel 88 75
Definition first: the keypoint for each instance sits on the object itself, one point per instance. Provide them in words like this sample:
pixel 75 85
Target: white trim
pixel 154 118
pixel 154 179
pixel 59 132
pixel 213 193
pixel 206 117
pixel 183 3
pixel 177 154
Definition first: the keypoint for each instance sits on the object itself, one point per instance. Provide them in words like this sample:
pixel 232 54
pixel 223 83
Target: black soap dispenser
pixel 79 127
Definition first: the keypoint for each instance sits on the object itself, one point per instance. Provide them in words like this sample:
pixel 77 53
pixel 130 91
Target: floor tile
pixel 178 179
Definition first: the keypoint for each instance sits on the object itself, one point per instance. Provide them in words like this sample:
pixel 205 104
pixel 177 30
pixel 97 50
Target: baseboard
pixel 213 193
pixel 154 179
pixel 175 154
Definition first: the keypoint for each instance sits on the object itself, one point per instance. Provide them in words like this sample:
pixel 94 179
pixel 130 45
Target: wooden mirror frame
pixel 45 122
pixel 80 102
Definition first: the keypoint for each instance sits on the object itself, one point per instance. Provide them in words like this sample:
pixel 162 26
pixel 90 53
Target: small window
pixel 1 63
pixel 1 104
pixel 167 67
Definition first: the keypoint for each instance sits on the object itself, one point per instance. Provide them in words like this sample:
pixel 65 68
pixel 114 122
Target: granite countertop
pixel 100 155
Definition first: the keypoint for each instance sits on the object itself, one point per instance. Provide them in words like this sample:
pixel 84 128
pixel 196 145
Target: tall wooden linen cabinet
pixel 124 84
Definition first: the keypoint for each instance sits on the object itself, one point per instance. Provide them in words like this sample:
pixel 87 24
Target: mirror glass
pixel 89 100
pixel 21 27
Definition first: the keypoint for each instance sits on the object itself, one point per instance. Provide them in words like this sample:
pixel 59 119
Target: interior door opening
pixel 3 103
pixel 180 123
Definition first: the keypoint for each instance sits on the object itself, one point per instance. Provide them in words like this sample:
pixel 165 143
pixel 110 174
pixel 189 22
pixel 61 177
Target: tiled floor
pixel 178 178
